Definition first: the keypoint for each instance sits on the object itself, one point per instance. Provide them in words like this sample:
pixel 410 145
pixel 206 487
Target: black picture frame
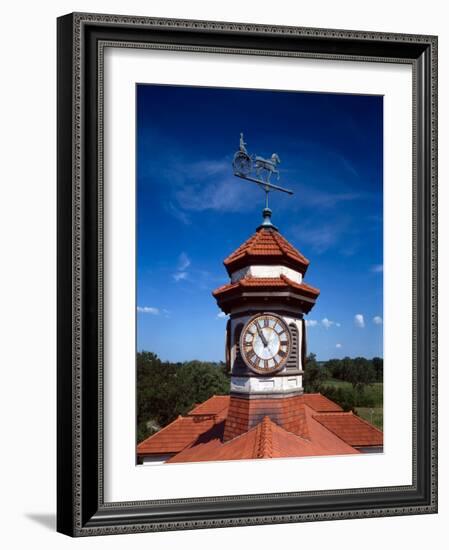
pixel 81 509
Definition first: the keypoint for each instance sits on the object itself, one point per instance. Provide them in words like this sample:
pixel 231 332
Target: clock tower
pixel 266 300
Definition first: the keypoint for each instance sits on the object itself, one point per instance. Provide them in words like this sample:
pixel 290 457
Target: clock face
pixel 265 343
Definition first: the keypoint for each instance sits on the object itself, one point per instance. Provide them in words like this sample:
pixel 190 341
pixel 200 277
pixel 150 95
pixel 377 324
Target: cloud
pixel 206 185
pixel 177 213
pixel 147 309
pixel 320 238
pixel 222 194
pixel 378 268
pixel 359 320
pixel 180 276
pixel 327 323
pixel 377 320
pixel 183 261
pixel 221 315
pixel 347 165
pixel 338 346
pixel 320 198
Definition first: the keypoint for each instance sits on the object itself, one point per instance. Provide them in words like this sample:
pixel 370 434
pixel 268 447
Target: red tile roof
pixel 176 436
pixel 266 440
pixel 268 283
pixel 266 246
pixel 320 403
pixel 308 425
pixel 214 405
pixel 351 428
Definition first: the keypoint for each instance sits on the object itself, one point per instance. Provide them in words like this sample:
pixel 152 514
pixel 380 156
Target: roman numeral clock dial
pixel 265 343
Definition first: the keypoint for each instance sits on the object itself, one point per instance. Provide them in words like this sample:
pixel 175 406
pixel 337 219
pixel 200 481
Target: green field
pixel 372 391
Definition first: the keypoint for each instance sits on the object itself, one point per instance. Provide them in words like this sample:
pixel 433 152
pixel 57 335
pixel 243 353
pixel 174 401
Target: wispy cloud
pixel 327 323
pixel 377 320
pixel 205 185
pixel 183 261
pixel 347 165
pixel 180 276
pixel 177 213
pixel 378 268
pixel 359 320
pixel 322 198
pixel 148 309
pixel 221 315
pixel 338 346
pixel 183 264
pixel 320 237
pixel 223 195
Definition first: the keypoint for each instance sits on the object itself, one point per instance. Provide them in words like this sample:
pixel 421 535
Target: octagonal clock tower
pixel 266 300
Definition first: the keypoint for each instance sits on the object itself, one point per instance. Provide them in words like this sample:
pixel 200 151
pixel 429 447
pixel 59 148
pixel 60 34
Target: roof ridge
pixel 265 439
pixel 329 413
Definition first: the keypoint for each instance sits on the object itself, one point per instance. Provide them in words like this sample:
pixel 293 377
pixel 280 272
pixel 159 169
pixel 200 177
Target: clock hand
pixel 262 337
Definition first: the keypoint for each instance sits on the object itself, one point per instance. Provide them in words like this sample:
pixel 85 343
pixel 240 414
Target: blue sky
pixel 192 212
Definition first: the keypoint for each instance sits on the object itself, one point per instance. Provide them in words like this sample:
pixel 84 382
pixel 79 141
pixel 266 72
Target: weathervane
pixel 258 170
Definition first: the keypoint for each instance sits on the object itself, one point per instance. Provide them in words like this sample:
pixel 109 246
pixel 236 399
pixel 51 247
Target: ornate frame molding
pixel 81 42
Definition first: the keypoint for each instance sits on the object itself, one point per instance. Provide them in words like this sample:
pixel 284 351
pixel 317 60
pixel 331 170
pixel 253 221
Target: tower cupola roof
pixel 266 247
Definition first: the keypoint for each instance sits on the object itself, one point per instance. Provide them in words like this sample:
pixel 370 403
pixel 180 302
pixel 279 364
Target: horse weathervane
pixel 258 170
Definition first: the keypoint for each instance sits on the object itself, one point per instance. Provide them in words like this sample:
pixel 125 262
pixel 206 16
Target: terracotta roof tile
pixel 176 436
pixel 351 428
pixel 217 404
pixel 255 283
pixel 266 245
pixel 266 440
pixel 320 403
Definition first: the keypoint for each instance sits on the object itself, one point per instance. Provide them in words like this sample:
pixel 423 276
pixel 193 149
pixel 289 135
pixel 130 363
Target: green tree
pixel 314 375
pixel 344 397
pixel 359 373
pixel 378 365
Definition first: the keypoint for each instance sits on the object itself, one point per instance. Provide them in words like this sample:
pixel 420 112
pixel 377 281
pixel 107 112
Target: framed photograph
pixel 247 288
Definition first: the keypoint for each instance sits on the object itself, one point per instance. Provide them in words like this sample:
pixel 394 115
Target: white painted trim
pixel 266 385
pixel 266 271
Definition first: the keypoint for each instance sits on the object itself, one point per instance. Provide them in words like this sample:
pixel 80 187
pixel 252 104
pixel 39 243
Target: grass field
pixel 372 391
